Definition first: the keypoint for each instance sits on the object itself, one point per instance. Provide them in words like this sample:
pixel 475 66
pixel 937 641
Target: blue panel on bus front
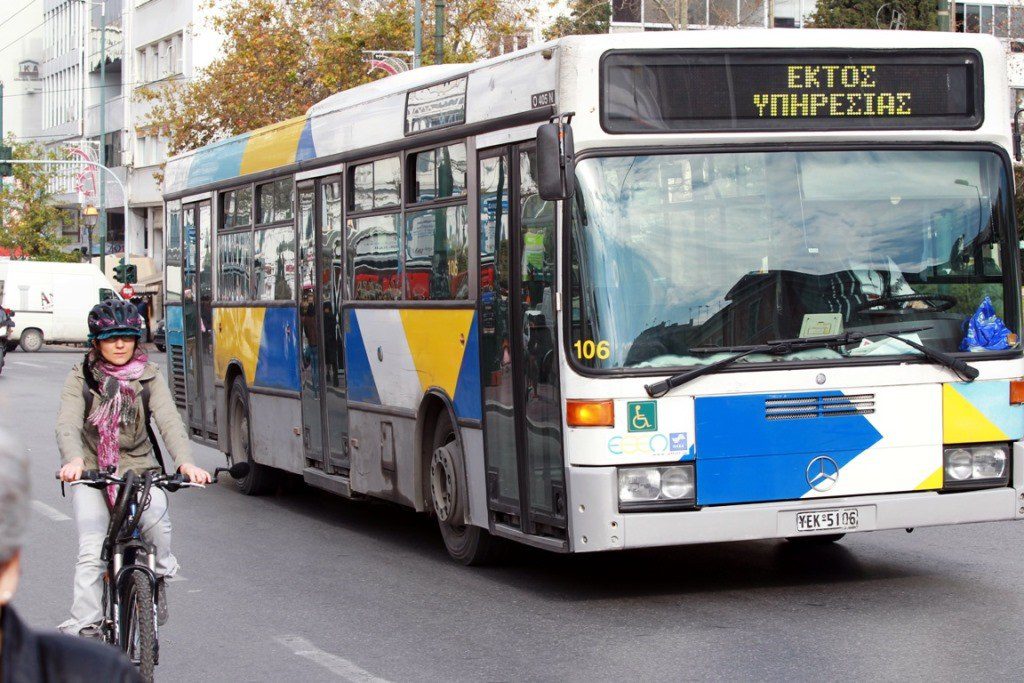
pixel 361 386
pixel 467 391
pixel 278 363
pixel 743 456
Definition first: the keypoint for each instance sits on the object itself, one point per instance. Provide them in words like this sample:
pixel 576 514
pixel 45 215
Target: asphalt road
pixel 305 587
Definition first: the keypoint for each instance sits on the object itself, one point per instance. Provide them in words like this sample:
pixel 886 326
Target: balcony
pixel 115 117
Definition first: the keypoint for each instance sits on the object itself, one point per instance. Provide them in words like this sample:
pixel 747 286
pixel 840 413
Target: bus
pixel 622 291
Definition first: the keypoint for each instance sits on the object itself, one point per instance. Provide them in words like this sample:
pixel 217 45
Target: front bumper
pixel 596 523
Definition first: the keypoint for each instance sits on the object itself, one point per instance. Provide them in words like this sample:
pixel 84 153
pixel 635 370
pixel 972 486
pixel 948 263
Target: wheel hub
pixel 444 485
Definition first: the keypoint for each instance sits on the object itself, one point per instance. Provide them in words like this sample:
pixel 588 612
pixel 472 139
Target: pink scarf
pixel 116 409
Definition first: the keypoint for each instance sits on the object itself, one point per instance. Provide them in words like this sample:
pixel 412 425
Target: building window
pixel 1001 21
pixel 159 60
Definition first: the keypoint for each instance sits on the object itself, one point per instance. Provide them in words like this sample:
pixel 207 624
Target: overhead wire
pixel 24 7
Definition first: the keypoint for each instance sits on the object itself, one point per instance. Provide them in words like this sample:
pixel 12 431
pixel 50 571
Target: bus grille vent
pixel 177 354
pixel 807 407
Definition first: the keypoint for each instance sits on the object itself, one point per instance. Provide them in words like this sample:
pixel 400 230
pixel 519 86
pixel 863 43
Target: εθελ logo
pixel 648 444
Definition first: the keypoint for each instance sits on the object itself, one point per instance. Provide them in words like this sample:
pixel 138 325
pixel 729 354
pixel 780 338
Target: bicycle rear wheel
pixel 138 625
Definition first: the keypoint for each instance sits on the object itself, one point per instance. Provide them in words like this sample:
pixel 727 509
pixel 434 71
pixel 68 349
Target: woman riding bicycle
pixel 102 423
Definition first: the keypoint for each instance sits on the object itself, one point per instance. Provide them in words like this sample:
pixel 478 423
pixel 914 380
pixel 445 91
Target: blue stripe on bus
pixel 307 148
pixel 219 162
pixel 467 388
pixel 174 326
pixel 743 457
pixel 278 363
pixel 361 386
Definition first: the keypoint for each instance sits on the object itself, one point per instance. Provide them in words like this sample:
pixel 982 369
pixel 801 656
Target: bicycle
pixel 130 582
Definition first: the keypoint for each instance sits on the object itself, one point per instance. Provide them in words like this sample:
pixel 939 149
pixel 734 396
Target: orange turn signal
pixel 1017 391
pixel 590 413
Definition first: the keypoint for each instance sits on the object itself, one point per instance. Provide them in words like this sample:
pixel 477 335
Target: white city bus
pixel 730 293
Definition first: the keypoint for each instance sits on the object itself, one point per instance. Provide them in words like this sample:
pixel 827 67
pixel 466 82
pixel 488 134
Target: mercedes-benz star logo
pixel 822 473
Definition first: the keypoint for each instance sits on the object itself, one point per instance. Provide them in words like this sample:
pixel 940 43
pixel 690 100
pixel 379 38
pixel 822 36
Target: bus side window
pixel 107 294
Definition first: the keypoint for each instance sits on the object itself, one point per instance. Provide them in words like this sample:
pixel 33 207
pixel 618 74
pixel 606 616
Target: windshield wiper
pixel 781 347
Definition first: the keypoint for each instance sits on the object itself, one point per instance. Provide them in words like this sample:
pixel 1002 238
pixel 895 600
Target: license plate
pixel 827 520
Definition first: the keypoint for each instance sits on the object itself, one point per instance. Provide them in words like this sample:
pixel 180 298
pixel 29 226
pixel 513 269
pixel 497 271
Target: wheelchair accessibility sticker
pixel 642 416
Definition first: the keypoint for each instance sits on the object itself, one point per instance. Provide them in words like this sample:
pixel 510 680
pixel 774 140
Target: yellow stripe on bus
pixel 437 341
pixel 237 334
pixel 962 422
pixel 934 481
pixel 272 146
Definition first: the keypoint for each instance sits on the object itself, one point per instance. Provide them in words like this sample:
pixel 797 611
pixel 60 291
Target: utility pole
pixel 682 10
pixel 942 15
pixel 417 57
pixel 438 31
pixel 103 138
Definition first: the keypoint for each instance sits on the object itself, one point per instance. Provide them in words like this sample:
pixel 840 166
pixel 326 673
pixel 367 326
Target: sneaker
pixel 92 631
pixel 161 602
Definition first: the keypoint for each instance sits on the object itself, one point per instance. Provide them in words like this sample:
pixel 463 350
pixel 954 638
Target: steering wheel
pixel 936 302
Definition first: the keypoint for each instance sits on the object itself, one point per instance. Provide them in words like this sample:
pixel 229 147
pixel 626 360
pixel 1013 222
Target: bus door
pixel 324 415
pixel 518 348
pixel 197 300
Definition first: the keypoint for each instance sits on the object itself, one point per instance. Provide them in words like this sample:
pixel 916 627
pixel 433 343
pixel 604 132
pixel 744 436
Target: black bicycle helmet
pixel 114 318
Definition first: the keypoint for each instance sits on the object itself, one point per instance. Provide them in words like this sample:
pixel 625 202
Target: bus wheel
pixel 31 340
pixel 466 543
pixel 260 479
pixel 811 541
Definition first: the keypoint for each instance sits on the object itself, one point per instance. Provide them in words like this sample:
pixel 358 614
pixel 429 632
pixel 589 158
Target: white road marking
pixel 27 363
pixel 47 511
pixel 333 663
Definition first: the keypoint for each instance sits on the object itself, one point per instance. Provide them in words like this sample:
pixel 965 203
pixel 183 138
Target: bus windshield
pixel 671 252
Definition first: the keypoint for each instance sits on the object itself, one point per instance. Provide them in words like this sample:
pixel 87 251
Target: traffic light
pixel 6 154
pixel 126 274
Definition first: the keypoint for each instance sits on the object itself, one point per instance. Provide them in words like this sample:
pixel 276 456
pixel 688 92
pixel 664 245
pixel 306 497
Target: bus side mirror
pixel 556 178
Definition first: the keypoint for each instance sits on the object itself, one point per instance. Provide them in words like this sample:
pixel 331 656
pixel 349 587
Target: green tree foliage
pixel 281 57
pixel 30 225
pixel 920 15
pixel 585 17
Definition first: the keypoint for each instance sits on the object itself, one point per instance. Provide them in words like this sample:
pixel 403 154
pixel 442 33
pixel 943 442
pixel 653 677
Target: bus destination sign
pixel 685 91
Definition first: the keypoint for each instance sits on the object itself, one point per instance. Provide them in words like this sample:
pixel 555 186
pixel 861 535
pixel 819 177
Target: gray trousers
pixel 92 518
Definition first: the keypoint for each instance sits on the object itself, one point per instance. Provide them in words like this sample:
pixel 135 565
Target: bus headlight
pixel 657 488
pixel 977 466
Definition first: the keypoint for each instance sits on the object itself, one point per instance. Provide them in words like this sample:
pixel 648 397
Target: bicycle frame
pixel 123 548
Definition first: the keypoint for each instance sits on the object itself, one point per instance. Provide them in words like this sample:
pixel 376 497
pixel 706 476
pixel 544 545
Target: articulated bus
pixel 622 291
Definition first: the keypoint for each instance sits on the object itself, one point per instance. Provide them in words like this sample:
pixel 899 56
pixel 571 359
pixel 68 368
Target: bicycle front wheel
pixel 138 625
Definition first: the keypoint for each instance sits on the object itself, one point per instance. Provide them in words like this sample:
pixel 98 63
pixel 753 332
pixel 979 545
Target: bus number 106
pixel 588 350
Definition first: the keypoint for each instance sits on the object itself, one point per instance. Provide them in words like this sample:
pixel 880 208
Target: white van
pixel 51 300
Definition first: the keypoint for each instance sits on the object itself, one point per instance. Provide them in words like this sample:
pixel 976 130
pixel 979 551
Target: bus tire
pixel 260 479
pixel 465 543
pixel 31 340
pixel 812 541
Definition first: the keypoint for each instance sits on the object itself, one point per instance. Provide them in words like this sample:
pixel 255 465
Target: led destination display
pixel 708 91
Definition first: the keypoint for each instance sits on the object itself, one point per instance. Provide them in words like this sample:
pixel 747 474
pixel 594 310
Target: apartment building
pixel 141 44
pixel 21 53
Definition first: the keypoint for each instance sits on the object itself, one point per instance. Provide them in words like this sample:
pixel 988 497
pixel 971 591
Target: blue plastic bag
pixel 986 331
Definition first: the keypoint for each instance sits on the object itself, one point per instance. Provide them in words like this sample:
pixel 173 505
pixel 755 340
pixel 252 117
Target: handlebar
pixel 169 482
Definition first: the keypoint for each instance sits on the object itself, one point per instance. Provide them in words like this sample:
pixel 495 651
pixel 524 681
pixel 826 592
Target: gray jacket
pixel 78 438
